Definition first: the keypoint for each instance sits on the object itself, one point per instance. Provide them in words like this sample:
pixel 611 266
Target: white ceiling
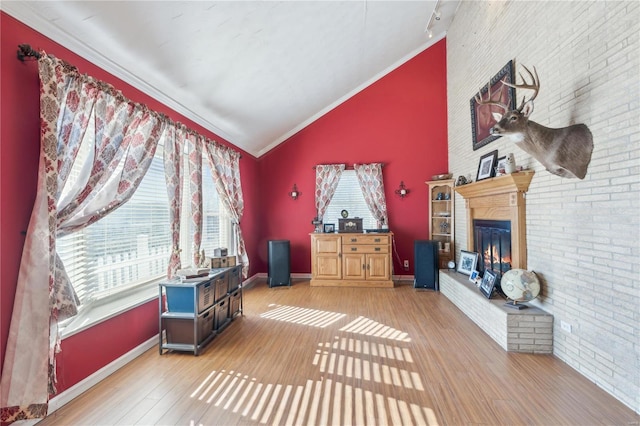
pixel 253 72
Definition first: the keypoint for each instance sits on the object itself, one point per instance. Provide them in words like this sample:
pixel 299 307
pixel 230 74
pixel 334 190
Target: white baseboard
pixel 76 390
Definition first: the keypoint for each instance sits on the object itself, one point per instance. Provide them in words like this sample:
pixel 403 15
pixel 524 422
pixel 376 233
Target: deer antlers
pixel 535 86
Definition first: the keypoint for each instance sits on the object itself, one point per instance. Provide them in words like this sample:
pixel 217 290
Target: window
pixel 348 196
pixel 131 246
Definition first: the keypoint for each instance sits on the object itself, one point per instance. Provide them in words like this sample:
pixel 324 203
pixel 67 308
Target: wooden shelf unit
pixel 351 260
pixel 442 218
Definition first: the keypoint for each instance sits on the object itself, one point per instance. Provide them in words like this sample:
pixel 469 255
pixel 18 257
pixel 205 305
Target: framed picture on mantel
pixel 486 167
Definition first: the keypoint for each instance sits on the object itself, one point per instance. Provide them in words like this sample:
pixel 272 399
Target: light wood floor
pixel 315 356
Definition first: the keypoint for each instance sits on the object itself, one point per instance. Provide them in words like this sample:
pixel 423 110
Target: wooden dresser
pixel 351 260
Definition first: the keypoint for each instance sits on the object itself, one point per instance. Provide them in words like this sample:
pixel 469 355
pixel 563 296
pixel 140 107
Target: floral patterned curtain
pixel 327 178
pixel 174 139
pixel 194 144
pixel 109 177
pixel 370 179
pixel 225 167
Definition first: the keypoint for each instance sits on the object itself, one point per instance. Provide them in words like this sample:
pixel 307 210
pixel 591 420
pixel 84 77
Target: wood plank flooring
pixel 355 356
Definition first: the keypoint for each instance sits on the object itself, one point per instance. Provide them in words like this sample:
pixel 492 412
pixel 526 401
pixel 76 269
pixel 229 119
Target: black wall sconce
pixel 294 192
pixel 402 191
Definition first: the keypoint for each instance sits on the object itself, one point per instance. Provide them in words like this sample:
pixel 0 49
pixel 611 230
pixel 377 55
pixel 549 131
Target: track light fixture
pixel 435 16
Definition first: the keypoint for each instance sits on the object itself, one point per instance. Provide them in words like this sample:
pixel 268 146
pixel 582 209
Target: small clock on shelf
pixel 344 214
pixel 451 265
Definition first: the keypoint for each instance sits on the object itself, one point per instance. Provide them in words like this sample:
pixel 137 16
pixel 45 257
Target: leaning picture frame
pixel 468 261
pixel 500 165
pixel 329 228
pixel 488 283
pixel 486 166
pixel 482 119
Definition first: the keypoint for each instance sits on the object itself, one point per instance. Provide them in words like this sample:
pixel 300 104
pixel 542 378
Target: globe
pixel 520 285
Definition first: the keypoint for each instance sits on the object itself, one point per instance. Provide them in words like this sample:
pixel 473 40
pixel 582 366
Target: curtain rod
pixel 26 51
pixel 350 166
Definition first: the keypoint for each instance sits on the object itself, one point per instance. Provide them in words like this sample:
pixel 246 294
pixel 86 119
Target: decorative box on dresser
pixel 442 218
pixel 351 260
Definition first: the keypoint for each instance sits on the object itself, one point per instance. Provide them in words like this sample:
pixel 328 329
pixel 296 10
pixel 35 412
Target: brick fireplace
pixel 497 207
pixel 499 200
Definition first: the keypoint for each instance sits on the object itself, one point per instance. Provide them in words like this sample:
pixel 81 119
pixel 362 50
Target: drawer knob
pixel 377 240
pixel 377 249
pixel 354 248
pixel 354 240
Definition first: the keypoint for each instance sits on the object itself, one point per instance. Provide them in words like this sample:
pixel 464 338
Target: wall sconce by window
pixel 294 192
pixel 402 191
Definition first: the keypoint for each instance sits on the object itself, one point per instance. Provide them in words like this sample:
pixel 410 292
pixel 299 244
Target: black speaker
pixel 426 265
pixel 279 263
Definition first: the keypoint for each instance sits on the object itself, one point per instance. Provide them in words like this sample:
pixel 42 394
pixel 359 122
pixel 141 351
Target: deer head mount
pixel 564 152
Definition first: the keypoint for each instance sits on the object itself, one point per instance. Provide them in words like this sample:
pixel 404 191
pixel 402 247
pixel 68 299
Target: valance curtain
pixel 370 180
pixel 225 168
pixel 327 178
pixel 125 138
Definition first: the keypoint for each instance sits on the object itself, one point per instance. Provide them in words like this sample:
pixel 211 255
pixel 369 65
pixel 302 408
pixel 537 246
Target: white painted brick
pixel 583 235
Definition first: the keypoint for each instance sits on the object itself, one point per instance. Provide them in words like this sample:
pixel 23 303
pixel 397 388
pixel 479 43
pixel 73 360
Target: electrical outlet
pixel 406 265
pixel 565 326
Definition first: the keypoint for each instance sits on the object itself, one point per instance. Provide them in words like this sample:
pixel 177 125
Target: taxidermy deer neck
pixel 564 152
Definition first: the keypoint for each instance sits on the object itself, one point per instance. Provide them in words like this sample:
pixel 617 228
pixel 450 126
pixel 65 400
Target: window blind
pixel 348 196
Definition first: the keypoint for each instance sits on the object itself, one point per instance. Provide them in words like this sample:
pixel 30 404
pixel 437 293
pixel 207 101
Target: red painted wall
pixel 92 349
pixel 400 120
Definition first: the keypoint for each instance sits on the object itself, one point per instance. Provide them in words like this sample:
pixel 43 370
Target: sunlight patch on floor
pixel 323 402
pixel 369 327
pixel 303 316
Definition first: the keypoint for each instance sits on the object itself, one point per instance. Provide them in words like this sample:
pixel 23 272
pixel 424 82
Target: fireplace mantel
pixel 500 198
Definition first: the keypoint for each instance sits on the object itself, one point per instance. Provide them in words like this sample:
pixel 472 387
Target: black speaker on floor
pixel 279 263
pixel 426 265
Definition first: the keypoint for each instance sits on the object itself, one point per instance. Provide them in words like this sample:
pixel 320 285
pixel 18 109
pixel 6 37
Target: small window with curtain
pixel 348 196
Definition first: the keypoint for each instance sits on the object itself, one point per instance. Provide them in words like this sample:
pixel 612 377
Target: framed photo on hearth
pixel 468 261
pixel 488 283
pixel 486 167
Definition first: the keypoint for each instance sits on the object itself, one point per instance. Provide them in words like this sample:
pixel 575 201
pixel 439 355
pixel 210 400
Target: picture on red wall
pixel 482 119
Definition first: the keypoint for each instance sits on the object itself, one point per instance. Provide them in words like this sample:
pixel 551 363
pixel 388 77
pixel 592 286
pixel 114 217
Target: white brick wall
pixel 583 235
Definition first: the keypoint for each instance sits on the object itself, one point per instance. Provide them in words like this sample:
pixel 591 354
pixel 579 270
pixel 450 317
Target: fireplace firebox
pixel 492 241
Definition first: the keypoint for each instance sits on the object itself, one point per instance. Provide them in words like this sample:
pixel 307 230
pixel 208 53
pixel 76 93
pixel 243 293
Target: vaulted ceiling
pixel 253 72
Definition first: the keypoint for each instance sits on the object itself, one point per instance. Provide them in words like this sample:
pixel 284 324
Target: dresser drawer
pixel 364 249
pixel 365 239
